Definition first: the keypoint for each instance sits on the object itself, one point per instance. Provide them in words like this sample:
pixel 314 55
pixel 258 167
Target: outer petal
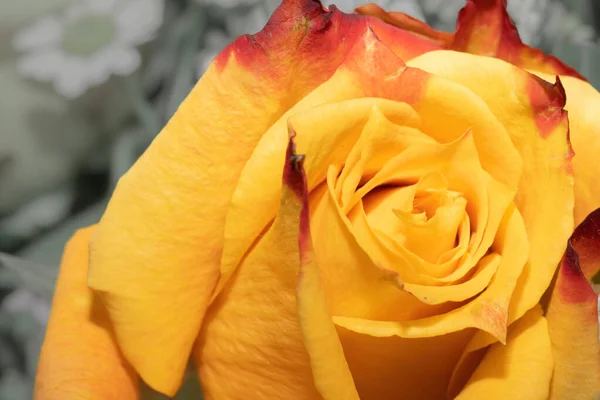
pixel 156 254
pixel 330 369
pixel 573 318
pixel 532 112
pixel 79 357
pixel 255 336
pixel 583 103
pixel 484 28
pixel 521 369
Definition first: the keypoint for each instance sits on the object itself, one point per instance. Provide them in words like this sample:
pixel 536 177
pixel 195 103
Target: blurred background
pixel 87 84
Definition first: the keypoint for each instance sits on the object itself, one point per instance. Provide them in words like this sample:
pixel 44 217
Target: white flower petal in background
pixel 139 20
pixel 46 31
pixel 30 65
pixel 124 61
pixel 90 41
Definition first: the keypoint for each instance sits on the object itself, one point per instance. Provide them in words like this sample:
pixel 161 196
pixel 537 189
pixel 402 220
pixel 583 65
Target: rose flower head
pixel 349 206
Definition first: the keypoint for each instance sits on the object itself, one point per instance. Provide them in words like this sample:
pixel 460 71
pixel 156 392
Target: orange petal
pixel 330 370
pixel 573 318
pixel 485 28
pixel 253 340
pixel 531 110
pixel 407 23
pixel 487 312
pixel 156 254
pixel 80 358
pixel 327 122
pixel 402 368
pixel 583 101
pixel 520 369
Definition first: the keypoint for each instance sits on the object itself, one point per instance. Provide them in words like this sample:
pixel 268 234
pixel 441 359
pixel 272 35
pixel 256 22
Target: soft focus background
pixel 85 85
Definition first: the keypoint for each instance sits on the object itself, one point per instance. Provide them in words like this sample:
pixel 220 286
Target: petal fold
pixel 531 110
pixel 80 357
pixel 254 340
pixel 573 318
pixel 520 369
pixel 330 369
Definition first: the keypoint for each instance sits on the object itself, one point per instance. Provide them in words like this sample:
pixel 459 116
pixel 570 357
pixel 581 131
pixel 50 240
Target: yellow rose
pixel 341 209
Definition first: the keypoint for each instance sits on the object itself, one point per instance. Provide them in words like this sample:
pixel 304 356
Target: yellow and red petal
pixel 583 101
pixel 256 337
pixel 155 257
pixel 334 111
pixel 331 374
pixel 531 110
pixel 483 28
pixel 80 357
pixel 407 23
pixel 519 369
pixel 573 317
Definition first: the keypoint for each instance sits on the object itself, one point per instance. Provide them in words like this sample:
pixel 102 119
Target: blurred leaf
pixel 8 279
pixel 14 386
pixel 162 58
pixel 35 277
pixel 193 24
pixel 49 247
pixel 145 112
pixel 124 152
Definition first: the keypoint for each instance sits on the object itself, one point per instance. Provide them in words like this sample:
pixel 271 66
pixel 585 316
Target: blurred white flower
pixel 88 43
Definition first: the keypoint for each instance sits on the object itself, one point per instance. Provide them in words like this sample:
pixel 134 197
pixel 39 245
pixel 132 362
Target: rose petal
pixel 442 116
pixel 330 369
pixel 356 284
pixel 531 110
pixel 483 28
pixel 400 368
pixel 520 369
pixel 255 337
pixel 407 23
pixel 337 123
pixel 487 312
pixel 79 357
pixel 583 101
pixel 459 161
pixel 156 254
pixel 573 318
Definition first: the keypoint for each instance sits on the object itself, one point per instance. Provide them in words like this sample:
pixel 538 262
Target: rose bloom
pixel 349 207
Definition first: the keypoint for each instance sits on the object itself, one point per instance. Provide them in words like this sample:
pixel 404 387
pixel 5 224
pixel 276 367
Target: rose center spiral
pixel 423 219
